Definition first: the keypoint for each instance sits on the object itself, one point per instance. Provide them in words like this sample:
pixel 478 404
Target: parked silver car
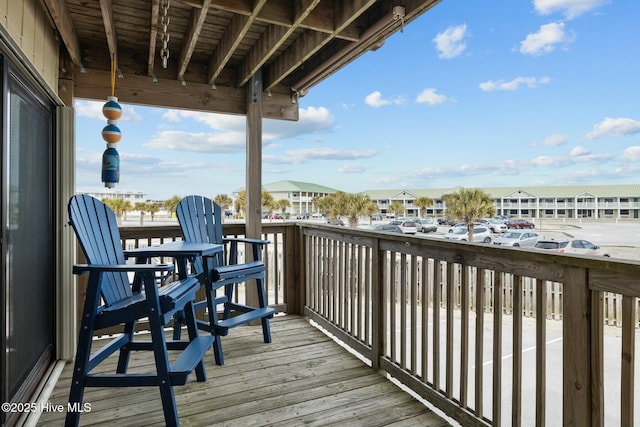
pixel 572 246
pixel 426 225
pixel 480 234
pixel 518 238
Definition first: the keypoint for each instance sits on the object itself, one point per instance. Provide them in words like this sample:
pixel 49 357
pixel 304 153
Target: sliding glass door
pixel 28 297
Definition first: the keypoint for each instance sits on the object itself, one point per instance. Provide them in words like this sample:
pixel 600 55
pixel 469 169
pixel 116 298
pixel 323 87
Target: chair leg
pixel 162 369
pixel 123 359
pixel 76 393
pixel 83 353
pixel 213 320
pixel 262 298
pixel 192 329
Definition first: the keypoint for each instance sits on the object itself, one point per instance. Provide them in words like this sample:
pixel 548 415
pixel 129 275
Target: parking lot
pixel 620 238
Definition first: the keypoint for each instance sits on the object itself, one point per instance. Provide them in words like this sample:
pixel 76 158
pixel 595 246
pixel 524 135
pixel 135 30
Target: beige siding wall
pixel 28 25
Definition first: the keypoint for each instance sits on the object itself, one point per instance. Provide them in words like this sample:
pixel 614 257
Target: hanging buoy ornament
pixel 112 135
pixel 111 109
pixel 110 166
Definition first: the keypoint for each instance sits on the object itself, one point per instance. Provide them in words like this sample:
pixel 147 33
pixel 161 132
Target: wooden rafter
pixel 308 46
pixel 153 35
pixel 191 38
pixel 109 27
pixel 60 14
pixel 237 29
pixel 272 39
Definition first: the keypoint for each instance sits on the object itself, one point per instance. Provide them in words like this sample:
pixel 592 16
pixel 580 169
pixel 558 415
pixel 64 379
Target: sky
pixel 471 94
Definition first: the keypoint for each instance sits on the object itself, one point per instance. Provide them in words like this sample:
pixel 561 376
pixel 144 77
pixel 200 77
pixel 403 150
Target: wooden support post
pixel 576 349
pixel 254 168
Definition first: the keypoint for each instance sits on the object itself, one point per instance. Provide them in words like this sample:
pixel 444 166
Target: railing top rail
pixel 518 261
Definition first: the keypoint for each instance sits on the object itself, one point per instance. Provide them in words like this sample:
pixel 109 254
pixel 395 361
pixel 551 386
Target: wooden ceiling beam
pixel 169 93
pixel 231 39
pixel 307 45
pixel 272 39
pixel 191 38
pixel 109 28
pixel 153 35
pixel 60 15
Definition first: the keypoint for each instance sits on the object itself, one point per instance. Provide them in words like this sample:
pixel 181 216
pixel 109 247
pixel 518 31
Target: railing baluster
pixel 541 351
pixel 516 392
pixel 451 269
pixel 479 340
pixel 628 360
pixel 437 284
pixel 464 336
pixel 497 349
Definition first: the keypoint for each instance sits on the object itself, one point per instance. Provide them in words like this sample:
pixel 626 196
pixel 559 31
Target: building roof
pixel 303 187
pixel 291 186
pixel 620 190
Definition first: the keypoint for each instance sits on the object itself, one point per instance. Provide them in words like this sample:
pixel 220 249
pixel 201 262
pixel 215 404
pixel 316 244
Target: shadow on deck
pixel 302 378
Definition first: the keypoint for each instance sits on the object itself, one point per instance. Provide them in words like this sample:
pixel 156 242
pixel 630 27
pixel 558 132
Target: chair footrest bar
pixel 189 359
pixel 247 317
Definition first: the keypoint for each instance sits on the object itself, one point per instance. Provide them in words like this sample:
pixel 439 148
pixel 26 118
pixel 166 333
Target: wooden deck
pixel 302 378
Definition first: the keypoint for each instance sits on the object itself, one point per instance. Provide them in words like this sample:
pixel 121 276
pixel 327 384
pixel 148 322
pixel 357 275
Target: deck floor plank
pixel 302 378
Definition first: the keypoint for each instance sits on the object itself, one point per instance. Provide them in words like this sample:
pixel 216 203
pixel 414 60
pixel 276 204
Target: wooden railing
pixel 409 305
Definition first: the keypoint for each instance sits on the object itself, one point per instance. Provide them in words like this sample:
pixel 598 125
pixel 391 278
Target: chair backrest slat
pixel 97 231
pixel 201 221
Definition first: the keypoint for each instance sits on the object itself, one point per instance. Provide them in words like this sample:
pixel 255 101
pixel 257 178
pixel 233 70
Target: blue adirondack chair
pixel 200 221
pixel 111 299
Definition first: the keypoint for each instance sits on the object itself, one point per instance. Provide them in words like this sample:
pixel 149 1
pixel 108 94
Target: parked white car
pixel 518 238
pixel 480 234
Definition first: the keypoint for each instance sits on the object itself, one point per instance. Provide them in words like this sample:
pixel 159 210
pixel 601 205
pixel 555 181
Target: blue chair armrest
pixel 246 240
pixel 133 268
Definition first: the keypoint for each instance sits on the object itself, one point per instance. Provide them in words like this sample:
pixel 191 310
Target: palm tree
pixel 468 205
pixel 282 206
pixel 357 205
pixel 142 207
pixel 223 201
pixel 423 203
pixel 171 204
pixel 119 207
pixel 268 202
pixel 241 202
pixel 396 207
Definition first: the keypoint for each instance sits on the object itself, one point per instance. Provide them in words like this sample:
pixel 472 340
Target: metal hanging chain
pixel 164 52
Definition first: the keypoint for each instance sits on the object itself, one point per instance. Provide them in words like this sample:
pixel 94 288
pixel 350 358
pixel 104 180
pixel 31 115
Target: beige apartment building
pixel 570 202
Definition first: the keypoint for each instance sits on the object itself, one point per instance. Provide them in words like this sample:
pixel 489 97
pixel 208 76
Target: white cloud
pixel 429 96
pixel 317 153
pixel 450 43
pixel 579 151
pixel 202 142
pixel 631 154
pixel 514 84
pixel 375 100
pixel 619 127
pixel 552 141
pixel 93 110
pixel 570 8
pixel 546 39
pixel 353 168
pixel 229 132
